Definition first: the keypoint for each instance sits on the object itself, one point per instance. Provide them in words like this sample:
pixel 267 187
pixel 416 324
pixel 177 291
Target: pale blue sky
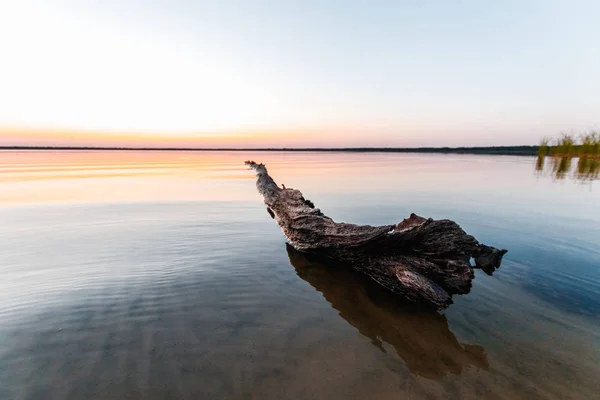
pixel 398 73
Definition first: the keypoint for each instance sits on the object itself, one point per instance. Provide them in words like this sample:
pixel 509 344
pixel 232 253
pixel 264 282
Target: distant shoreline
pixel 490 150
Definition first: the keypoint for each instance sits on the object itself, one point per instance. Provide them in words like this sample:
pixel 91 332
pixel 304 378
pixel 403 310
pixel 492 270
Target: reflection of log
pixel 422 339
pixel 423 260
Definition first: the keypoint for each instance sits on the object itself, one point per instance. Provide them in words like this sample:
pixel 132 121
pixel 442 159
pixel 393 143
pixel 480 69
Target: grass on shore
pixel 586 147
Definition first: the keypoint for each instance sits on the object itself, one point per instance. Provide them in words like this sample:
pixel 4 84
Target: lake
pixel 160 275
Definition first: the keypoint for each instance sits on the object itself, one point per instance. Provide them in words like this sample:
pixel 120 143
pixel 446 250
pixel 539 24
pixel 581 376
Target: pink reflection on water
pixel 154 176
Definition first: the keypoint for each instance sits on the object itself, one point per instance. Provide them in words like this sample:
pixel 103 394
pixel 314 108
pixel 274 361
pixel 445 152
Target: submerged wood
pixel 423 260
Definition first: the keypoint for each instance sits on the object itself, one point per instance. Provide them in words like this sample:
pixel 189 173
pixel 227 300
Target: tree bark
pixel 423 260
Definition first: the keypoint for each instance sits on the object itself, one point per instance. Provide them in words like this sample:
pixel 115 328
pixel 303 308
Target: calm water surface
pixel 161 276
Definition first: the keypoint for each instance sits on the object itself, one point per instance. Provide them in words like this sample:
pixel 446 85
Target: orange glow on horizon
pixel 311 137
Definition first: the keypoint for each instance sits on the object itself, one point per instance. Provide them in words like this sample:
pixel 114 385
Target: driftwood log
pixel 424 261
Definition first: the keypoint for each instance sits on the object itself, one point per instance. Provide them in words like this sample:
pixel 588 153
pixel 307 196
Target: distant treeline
pixel 493 150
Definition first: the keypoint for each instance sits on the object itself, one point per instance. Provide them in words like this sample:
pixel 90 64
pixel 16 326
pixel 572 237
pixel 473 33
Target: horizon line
pixel 500 150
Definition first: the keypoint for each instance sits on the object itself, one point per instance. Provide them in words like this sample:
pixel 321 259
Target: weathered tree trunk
pixel 423 260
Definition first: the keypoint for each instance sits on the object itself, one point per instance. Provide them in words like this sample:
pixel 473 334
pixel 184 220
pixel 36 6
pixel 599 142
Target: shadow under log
pixel 421 338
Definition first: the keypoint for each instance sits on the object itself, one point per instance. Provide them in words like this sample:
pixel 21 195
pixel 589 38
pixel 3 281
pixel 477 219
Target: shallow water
pixel 160 275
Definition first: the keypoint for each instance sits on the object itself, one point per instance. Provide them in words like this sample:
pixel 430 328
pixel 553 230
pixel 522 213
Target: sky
pixel 235 73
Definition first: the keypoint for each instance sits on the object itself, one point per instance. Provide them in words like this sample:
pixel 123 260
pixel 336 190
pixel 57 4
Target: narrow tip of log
pixel 253 165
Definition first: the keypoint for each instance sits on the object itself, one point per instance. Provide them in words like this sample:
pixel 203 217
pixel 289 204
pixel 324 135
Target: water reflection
pixel 586 149
pixel 422 339
pixel 587 168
